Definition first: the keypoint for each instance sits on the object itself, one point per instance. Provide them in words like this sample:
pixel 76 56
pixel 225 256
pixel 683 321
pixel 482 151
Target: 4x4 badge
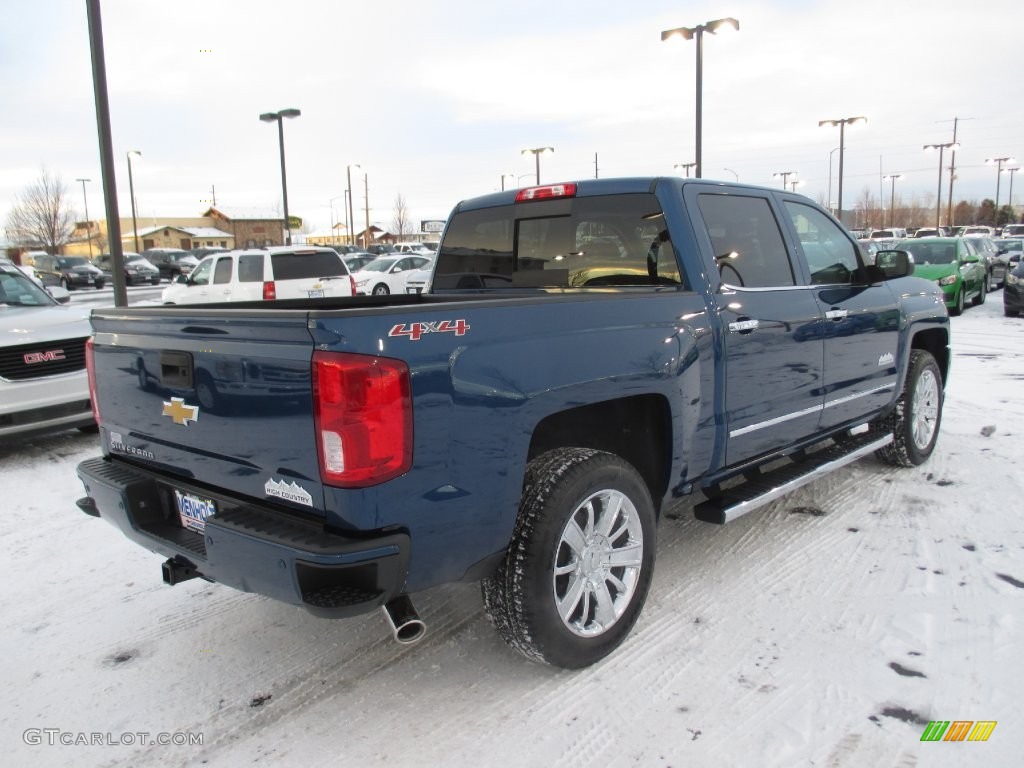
pixel 181 413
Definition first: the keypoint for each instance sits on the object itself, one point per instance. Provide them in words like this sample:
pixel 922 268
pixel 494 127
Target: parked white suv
pixel 278 272
pixel 417 248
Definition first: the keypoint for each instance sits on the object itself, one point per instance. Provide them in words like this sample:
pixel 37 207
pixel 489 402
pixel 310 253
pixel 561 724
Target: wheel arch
pixel 935 341
pixel 636 428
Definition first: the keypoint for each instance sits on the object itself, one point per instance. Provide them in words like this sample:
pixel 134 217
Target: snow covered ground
pixel 824 630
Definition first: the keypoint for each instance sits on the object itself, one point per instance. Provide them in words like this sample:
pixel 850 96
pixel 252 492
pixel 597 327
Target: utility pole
pixel 595 165
pixel 952 169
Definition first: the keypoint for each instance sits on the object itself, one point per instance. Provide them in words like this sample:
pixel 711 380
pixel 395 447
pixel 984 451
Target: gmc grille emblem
pixel 50 355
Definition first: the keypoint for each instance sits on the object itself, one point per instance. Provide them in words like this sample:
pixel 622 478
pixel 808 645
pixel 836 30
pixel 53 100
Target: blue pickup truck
pixel 585 353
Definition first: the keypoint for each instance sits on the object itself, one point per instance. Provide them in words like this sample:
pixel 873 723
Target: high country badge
pixel 288 491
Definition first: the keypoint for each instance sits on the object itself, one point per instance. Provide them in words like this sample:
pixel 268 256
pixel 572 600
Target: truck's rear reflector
pixel 90 367
pixel 546 192
pixel 362 406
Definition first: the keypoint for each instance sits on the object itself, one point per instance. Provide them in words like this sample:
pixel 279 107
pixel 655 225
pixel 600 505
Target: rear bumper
pixel 250 546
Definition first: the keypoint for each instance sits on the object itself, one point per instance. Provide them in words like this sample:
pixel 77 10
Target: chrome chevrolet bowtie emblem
pixel 181 413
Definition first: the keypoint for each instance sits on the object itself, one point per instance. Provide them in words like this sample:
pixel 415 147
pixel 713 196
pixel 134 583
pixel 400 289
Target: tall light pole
pixel 131 191
pixel 795 183
pixel 784 175
pixel 1012 171
pixel 697 33
pixel 278 117
pixel 892 179
pixel 88 226
pixel 842 122
pixel 351 218
pixel 537 152
pixel 938 196
pixel 506 176
pixel 830 209
pixel 730 170
pixel 333 233
pixel 684 166
pixel 366 202
pixel 998 162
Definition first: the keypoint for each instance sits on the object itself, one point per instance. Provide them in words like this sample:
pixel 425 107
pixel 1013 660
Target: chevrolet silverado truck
pixel 583 355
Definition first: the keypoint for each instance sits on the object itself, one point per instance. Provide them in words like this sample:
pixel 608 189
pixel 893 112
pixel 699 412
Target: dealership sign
pixel 432 225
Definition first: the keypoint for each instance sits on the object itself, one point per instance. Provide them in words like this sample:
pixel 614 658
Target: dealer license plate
pixel 193 510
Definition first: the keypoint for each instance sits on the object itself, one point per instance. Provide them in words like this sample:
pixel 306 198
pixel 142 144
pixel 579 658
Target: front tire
pixel 914 423
pixel 959 308
pixel 580 561
pixel 381 290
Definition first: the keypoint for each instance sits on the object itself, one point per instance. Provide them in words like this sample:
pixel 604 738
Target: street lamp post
pixel 278 117
pixel 795 183
pixel 88 227
pixel 366 202
pixel 892 179
pixel 697 33
pixel 537 152
pixel 730 170
pixel 938 197
pixel 784 175
pixel 684 167
pixel 131 191
pixel 506 176
pixel 842 122
pixel 351 218
pixel 830 209
pixel 1011 171
pixel 998 162
pixel 333 233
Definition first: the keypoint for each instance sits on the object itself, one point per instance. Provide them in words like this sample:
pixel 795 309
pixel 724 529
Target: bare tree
pixel 400 222
pixel 41 214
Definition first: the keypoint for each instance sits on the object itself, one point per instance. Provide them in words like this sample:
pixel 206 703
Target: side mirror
pixel 60 294
pixel 969 259
pixel 894 263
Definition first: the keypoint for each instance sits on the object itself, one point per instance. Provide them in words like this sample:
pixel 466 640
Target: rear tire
pixel 986 286
pixel 580 560
pixel 914 423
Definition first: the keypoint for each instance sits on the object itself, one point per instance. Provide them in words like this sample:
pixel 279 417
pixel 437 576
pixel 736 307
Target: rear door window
pixel 748 245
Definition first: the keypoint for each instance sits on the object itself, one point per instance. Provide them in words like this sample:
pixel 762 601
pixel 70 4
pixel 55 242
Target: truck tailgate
pixel 210 395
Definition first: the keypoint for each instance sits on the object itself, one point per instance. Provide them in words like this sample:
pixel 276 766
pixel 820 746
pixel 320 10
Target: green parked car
pixel 954 264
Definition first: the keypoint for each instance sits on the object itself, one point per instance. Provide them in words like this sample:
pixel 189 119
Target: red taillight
pixel 362 406
pixel 269 291
pixel 90 367
pixel 352 285
pixel 545 193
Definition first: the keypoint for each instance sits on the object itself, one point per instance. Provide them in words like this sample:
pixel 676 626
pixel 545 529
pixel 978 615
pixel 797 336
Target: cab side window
pixel 748 246
pixel 830 254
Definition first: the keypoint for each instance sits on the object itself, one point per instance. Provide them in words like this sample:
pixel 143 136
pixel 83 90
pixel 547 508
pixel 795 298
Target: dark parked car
pixel 358 260
pixel 994 260
pixel 137 270
pixel 172 261
pixel 68 272
pixel 1013 291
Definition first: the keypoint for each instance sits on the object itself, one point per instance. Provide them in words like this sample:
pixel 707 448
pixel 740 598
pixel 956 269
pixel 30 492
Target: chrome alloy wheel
pixel 925 409
pixel 597 563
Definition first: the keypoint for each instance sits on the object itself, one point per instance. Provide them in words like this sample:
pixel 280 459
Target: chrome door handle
pixel 744 326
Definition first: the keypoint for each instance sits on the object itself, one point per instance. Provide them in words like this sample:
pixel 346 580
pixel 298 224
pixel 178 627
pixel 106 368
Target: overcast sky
pixel 436 99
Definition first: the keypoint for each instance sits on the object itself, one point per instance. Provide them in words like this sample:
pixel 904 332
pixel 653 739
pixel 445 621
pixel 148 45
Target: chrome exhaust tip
pixel 405 623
